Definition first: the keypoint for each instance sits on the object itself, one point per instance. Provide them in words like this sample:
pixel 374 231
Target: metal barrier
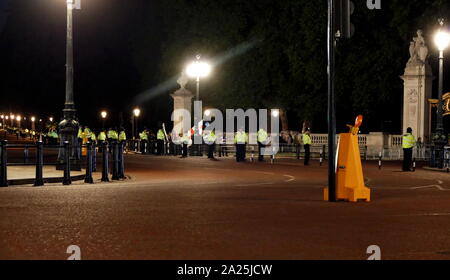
pixel 39 160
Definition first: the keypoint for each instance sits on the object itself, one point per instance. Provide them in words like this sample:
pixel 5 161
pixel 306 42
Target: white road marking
pixel 254 184
pixel 432 186
pixel 291 178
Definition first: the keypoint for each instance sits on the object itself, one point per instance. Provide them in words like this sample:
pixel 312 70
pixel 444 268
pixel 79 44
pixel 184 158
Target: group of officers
pixel 209 137
pixel 241 139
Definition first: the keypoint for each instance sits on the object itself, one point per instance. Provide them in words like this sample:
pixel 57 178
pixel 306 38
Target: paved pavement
pixel 29 172
pixel 200 209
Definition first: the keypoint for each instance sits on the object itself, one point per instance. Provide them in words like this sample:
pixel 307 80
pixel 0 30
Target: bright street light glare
pixel 18 118
pixel 275 113
pixel 136 112
pixel 51 119
pixel 104 114
pixel 442 40
pixel 208 113
pixel 33 119
pixel 198 69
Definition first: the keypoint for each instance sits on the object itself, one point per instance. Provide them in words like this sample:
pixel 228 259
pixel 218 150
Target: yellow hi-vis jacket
pixel 143 135
pixel 262 136
pixel 307 139
pixel 122 136
pixel 210 138
pixel 113 134
pixel 240 138
pixel 160 135
pixel 102 136
pixel 408 141
pixel 80 133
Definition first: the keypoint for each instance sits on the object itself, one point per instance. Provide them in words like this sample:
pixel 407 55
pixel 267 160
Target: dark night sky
pixel 32 55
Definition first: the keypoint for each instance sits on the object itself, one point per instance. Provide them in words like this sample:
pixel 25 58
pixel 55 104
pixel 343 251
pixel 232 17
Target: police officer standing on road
pixel 307 144
pixel 210 139
pixel 144 140
pixel 262 141
pixel 408 144
pixel 160 137
pixel 240 139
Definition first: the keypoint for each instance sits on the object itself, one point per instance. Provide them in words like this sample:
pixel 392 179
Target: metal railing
pixel 40 155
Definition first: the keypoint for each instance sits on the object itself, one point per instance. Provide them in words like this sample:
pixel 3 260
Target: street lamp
pixel 68 127
pixel 19 119
pixel 275 113
pixel 136 114
pixel 103 114
pixel 442 41
pixel 50 119
pixel 33 125
pixel 197 70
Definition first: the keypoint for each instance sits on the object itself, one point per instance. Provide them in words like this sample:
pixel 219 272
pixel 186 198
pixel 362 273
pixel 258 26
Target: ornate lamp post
pixel 442 40
pixel 198 69
pixel 136 114
pixel 68 127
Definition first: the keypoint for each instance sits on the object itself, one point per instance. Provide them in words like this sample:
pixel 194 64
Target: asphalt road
pixel 194 208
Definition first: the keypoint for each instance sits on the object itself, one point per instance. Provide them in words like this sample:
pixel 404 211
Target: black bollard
pixel 321 157
pixel 94 157
pixel 115 161
pixel 105 163
pixel 380 158
pixel 121 161
pixel 67 180
pixel 25 154
pixel 297 150
pixel 88 178
pixel 3 159
pixel 39 180
pixel 365 153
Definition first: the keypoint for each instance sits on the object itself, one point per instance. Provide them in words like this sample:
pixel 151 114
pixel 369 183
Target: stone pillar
pixel 182 99
pixel 418 84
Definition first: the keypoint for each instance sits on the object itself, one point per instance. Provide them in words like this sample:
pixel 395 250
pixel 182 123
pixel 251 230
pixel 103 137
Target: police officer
pixel 160 137
pixel 240 139
pixel 307 144
pixel 262 141
pixel 210 139
pixel 408 144
pixel 144 140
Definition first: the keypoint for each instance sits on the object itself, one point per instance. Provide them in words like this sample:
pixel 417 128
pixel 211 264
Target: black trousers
pixel 307 153
pixel 211 149
pixel 240 152
pixel 407 159
pixel 260 154
pixel 160 146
